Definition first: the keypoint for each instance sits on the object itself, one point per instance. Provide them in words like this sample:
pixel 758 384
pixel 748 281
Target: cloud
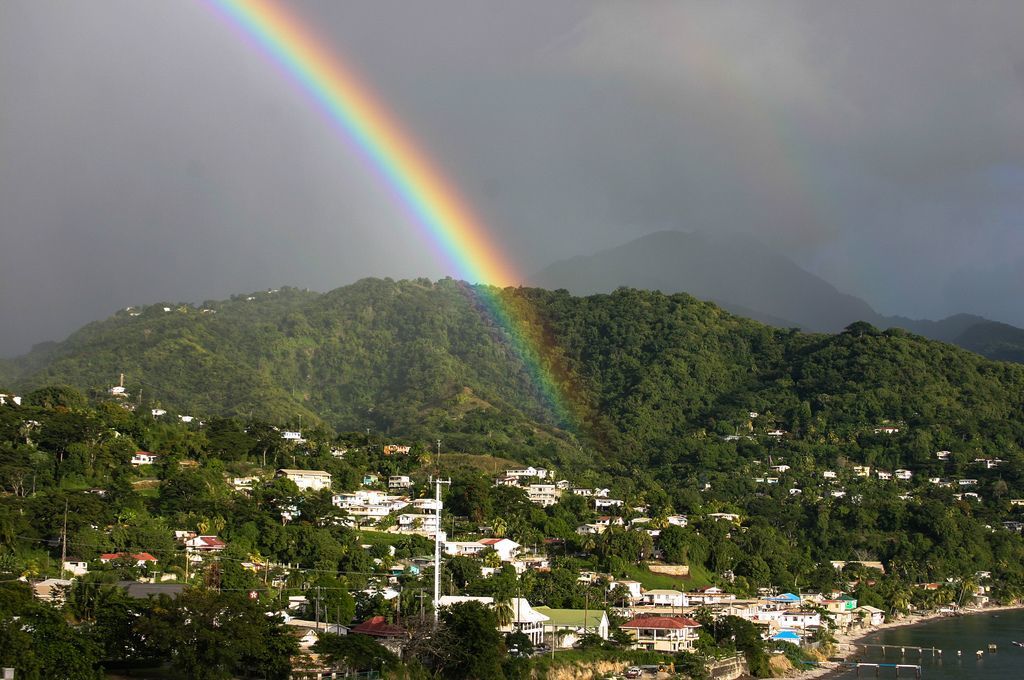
pixel 146 152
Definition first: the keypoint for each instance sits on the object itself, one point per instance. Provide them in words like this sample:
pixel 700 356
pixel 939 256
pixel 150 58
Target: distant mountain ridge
pixel 749 279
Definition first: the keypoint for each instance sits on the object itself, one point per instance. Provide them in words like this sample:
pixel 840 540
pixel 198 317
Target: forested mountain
pixel 751 280
pixel 642 371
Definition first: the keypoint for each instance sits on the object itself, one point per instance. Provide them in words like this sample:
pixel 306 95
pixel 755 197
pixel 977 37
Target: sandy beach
pixel 844 642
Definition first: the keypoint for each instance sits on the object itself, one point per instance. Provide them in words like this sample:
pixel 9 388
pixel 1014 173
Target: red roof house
pixel 140 558
pixel 662 633
pixel 378 627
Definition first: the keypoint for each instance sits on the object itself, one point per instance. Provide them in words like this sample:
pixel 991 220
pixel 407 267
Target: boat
pixel 1018 643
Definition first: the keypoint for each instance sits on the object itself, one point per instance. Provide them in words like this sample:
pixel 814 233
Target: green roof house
pixel 565 627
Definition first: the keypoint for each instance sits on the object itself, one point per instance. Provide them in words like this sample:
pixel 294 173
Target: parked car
pixel 633 672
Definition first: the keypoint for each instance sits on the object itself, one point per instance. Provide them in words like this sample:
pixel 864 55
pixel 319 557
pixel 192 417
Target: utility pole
pixel 437 481
pixel 64 540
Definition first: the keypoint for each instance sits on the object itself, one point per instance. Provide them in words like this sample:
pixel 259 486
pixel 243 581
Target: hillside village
pixel 562 564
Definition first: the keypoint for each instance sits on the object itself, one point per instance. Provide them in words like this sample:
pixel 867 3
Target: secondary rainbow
pixel 435 206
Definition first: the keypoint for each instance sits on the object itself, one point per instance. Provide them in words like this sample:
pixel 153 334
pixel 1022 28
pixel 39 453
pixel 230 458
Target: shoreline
pixel 850 639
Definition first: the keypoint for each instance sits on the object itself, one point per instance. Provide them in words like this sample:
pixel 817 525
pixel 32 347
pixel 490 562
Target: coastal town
pixel 615 582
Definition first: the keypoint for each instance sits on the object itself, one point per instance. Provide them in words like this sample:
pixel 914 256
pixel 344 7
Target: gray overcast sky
pixel 148 153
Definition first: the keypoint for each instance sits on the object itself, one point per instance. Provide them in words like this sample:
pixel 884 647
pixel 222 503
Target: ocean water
pixel 966 634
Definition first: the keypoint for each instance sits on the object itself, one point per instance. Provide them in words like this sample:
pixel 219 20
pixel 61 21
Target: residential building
pixel 544 495
pixel 417 523
pixel 506 548
pixel 565 627
pixel 141 559
pixel 660 597
pixel 634 588
pixel 244 483
pixel 204 544
pixel 75 567
pixel 903 475
pixel 870 616
pixel 307 480
pixel 677 520
pixel 525 619
pixel 662 633
pixel 604 503
pixel 539 473
pixel 399 482
pixel 463 548
pixel 800 619
pixel 144 458
pixel 387 634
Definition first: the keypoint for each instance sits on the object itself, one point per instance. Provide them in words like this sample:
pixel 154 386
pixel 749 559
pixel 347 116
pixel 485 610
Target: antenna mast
pixel 437 481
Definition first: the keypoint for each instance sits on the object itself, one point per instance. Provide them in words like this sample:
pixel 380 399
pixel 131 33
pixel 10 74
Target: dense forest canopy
pixel 640 370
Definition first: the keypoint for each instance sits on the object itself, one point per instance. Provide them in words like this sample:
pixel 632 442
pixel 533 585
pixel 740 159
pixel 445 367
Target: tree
pixel 211 636
pixel 468 644
pixel 355 652
pixel 40 644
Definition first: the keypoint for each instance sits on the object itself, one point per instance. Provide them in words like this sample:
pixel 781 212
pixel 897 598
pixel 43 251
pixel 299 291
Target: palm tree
pixel 499 527
pixel 503 611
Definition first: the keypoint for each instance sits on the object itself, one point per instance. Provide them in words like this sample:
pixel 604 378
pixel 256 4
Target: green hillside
pixel 644 372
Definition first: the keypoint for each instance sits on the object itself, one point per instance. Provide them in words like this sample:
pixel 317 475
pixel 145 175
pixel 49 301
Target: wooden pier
pixel 902 648
pixel 867 666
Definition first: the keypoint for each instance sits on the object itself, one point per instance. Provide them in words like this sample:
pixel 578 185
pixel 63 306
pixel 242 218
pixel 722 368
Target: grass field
pixel 698 577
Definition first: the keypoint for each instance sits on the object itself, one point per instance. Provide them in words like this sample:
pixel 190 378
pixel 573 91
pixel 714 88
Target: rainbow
pixel 435 206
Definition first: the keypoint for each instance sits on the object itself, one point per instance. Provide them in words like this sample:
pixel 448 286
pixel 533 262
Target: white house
pixel 506 548
pixel 862 470
pixel 243 483
pixel 396 482
pixel 943 455
pixel 544 495
pixel 291 436
pixel 800 619
pixel 967 482
pixel 659 597
pixel 463 548
pixel 307 480
pixel 157 412
pixel 724 516
pixel 417 523
pixel 525 618
pixel 883 475
pixel 539 473
pixel 565 627
pixel 602 503
pixel 144 458
pixel 870 616
pixel 75 567
pixel 12 398
pixel 662 633
pixel 634 588
pixel 779 468
pixel 829 474
pixel 903 474
pixel 204 544
pixel 677 520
